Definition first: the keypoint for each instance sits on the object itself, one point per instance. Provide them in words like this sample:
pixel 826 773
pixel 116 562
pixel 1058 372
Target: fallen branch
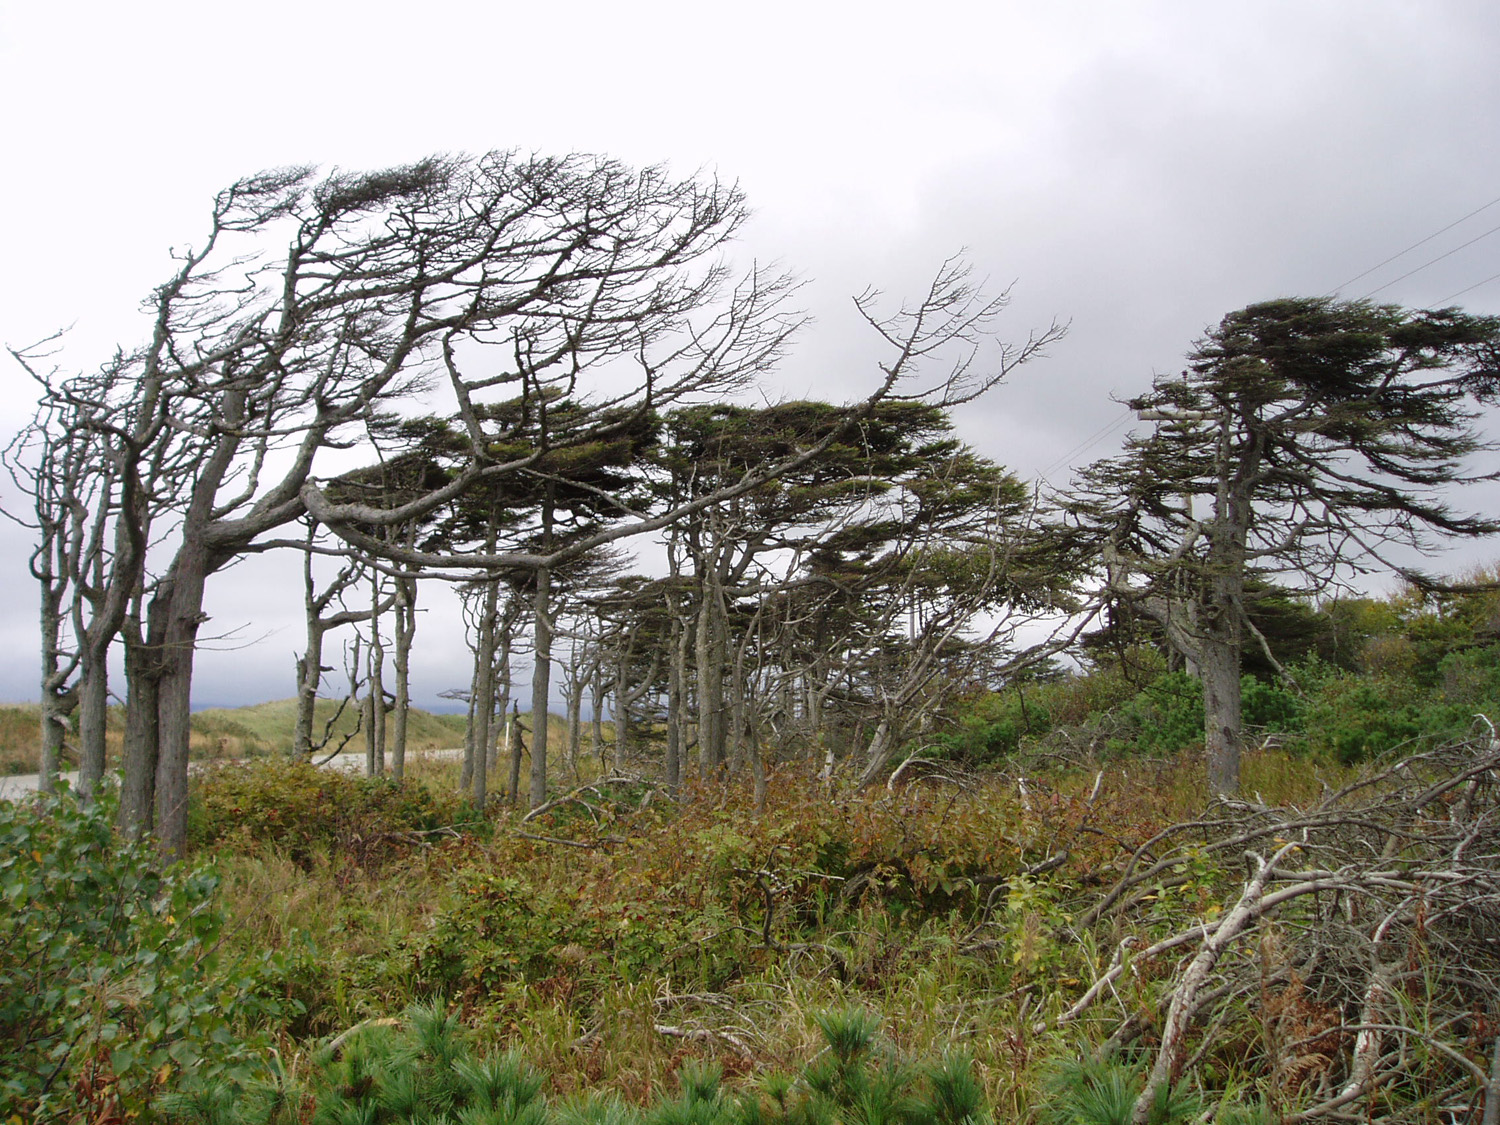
pixel 706 1035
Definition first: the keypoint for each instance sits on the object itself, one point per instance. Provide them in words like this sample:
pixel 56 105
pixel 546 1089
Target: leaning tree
pixel 465 269
pixel 941 350
pixel 1307 438
pixel 499 278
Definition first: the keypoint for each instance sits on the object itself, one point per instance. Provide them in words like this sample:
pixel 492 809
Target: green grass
pixel 267 727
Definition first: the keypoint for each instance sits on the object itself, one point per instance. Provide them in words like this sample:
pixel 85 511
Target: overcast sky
pixel 1135 169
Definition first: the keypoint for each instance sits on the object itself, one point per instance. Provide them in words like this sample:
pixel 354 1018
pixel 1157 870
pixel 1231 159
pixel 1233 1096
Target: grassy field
pixel 1016 926
pixel 238 732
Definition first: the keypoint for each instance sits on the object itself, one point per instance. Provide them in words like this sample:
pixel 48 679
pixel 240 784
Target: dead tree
pixel 1361 936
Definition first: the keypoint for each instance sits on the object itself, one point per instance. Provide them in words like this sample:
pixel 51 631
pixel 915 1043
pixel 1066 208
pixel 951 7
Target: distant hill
pixel 267 727
pixel 228 732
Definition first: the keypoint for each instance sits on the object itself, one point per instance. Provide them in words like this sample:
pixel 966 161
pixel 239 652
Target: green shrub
pixel 1164 719
pixel 1356 717
pixel 992 726
pixel 1270 707
pixel 111 986
pixel 305 810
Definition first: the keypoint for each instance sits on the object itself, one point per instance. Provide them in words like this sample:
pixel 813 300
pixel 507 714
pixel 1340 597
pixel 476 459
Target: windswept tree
pixel 588 293
pixel 941 351
pixel 1306 440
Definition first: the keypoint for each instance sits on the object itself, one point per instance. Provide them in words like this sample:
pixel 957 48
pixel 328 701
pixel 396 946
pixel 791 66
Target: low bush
pixel 424 1070
pixel 308 811
pixel 111 983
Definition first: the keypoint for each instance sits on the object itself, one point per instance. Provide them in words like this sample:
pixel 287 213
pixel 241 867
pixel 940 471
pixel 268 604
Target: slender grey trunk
pixel 142 736
pixel 541 677
pixel 484 696
pixel 310 663
pixel 515 748
pixel 406 631
pixel 622 710
pixel 466 771
pixel 57 701
pixel 501 692
pixel 676 685
pixel 375 687
pixel 93 717
pixel 596 720
pixel 574 700
pixel 738 706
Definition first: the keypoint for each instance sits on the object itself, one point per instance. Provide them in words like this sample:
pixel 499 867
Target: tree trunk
pixel 708 650
pixel 541 676
pixel 501 692
pixel 375 739
pixel 1219 669
pixel 484 696
pixel 622 711
pixel 738 706
pixel 93 716
pixel 596 718
pixel 309 677
pixel 142 735
pixel 310 664
pixel 183 617
pixel 466 771
pixel 879 755
pixel 676 684
pixel 406 631
pixel 514 748
pixel 575 720
pixel 57 704
pixel 181 594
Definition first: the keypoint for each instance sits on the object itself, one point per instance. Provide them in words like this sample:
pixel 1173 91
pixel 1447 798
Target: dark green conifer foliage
pixel 1306 438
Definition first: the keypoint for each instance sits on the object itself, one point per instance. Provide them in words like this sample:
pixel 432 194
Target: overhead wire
pixel 1432 262
pixel 1413 246
pixel 1469 288
pixel 1088 443
pixel 1105 431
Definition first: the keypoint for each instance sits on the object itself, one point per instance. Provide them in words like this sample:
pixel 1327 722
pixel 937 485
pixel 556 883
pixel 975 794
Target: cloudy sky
pixel 1134 168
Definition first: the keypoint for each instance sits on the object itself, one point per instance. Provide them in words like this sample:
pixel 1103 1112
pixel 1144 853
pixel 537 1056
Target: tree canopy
pixel 1306 439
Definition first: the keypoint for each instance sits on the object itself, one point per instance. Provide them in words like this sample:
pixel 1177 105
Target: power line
pixel 1413 246
pixel 1433 261
pixel 1089 442
pixel 1476 285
